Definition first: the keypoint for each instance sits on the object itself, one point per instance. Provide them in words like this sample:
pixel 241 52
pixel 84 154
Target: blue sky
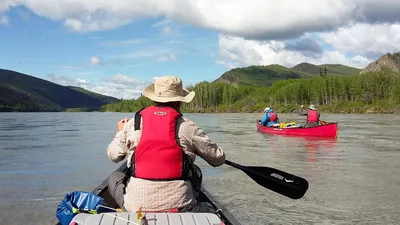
pixel 142 50
pixel 117 48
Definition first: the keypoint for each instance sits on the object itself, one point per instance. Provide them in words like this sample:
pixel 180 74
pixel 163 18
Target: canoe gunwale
pixel 221 211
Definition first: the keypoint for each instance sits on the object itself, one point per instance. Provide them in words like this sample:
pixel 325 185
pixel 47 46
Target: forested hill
pixel 21 92
pixel 264 76
pixel 369 92
pixel 330 69
pixel 104 98
pixel 259 76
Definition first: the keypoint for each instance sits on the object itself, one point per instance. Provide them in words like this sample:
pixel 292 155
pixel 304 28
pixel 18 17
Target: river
pixel 353 179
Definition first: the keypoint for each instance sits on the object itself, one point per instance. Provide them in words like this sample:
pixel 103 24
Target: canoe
pixel 221 216
pixel 329 130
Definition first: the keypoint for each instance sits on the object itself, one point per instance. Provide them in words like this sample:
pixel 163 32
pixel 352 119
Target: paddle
pixel 278 181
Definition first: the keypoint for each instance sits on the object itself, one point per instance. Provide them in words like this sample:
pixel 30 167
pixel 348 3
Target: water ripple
pixel 353 179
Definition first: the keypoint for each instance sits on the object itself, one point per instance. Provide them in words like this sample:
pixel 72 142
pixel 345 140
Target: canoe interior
pixel 125 218
pixel 222 212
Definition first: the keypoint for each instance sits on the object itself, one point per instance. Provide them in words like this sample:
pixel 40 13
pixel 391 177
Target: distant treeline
pixel 369 92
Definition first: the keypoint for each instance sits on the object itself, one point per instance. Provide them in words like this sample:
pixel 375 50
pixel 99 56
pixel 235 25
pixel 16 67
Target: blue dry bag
pixel 77 202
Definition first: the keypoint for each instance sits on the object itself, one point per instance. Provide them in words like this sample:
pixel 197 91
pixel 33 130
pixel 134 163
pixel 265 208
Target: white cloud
pixel 95 61
pixel 355 45
pixel 67 81
pixel 5 5
pixel 118 85
pixel 121 86
pixel 365 39
pixel 118 92
pixel 238 52
pixel 252 32
pixel 123 79
pixel 252 19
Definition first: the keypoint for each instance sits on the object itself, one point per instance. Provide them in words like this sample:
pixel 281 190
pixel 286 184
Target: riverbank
pixel 364 110
pixel 347 108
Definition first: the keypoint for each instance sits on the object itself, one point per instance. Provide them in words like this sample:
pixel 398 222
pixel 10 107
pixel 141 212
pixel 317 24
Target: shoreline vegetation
pixel 372 92
pixel 334 109
pixel 367 92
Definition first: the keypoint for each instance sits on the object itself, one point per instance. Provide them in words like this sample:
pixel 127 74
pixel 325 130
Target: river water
pixel 353 179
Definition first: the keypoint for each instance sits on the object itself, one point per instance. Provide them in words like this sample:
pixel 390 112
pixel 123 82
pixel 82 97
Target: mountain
pixel 13 98
pixel 104 98
pixel 331 69
pixel 259 76
pixel 387 62
pixel 21 92
pixel 262 76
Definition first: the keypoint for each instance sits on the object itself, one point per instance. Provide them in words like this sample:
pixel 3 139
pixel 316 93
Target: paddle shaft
pixel 237 166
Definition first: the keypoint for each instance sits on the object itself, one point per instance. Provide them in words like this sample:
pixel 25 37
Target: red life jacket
pixel 312 116
pixel 272 117
pixel 158 155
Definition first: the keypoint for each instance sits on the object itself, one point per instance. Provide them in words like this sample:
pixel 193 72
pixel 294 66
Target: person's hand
pixel 121 124
pixel 302 106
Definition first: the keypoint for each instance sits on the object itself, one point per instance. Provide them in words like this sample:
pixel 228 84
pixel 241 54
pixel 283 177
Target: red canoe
pixel 329 130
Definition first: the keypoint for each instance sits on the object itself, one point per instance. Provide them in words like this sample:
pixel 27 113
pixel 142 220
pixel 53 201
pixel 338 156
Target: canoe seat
pixel 125 218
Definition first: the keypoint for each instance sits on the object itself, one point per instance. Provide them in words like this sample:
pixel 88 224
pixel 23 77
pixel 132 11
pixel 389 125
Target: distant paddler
pixel 270 117
pixel 312 115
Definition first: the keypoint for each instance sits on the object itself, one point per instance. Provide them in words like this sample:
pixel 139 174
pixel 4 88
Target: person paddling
pixel 160 146
pixel 270 117
pixel 312 115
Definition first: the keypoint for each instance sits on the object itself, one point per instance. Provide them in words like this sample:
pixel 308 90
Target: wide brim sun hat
pixel 168 89
pixel 312 107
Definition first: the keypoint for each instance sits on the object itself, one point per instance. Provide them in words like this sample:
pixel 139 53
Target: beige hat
pixel 266 109
pixel 312 107
pixel 168 89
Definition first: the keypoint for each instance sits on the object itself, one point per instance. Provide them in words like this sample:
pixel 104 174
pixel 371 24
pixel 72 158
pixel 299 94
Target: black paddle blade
pixel 276 180
pixel 281 182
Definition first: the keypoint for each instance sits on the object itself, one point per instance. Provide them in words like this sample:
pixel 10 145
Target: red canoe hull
pixel 329 130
